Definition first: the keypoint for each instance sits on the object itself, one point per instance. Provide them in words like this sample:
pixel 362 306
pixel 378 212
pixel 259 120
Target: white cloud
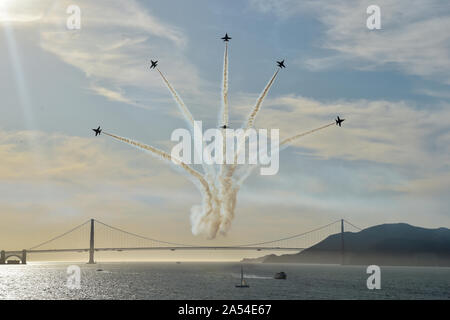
pixel 21 11
pixel 434 93
pixel 114 45
pixel 413 37
pixel 380 131
pixel 114 95
pixel 34 156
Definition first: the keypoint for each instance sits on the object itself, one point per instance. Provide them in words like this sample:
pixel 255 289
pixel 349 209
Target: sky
pixel 389 162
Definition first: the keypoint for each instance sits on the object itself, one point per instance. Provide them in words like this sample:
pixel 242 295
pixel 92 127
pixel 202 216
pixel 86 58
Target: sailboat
pixel 243 284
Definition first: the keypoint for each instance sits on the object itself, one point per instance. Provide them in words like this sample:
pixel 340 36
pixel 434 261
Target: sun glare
pixel 15 11
pixel 5 7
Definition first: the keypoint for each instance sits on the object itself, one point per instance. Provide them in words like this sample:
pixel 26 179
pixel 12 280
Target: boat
pixel 280 275
pixel 243 284
pixel 99 270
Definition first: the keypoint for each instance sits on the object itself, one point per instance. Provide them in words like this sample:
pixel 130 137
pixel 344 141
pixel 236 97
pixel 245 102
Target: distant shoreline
pixel 398 244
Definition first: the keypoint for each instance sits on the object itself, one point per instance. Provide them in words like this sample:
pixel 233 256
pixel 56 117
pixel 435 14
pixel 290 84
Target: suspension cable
pixel 353 225
pixel 61 235
pixel 290 237
pixel 189 245
pixel 142 237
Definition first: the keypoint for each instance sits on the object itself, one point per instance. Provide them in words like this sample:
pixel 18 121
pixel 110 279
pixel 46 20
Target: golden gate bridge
pixel 94 236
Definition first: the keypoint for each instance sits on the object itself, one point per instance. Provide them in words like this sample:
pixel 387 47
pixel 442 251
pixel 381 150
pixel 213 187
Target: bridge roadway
pixel 159 248
pixel 163 245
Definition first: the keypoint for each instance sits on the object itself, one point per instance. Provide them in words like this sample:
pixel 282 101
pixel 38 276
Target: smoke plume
pixel 218 188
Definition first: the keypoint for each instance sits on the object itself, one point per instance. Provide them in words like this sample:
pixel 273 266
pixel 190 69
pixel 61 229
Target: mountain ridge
pixel 385 244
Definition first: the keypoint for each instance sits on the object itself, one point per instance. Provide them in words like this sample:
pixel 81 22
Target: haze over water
pixel 217 281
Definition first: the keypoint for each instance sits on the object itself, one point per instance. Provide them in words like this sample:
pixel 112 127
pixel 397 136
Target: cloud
pixel 63 176
pixel 114 95
pixel 438 185
pixel 98 14
pixel 54 182
pixel 434 93
pixel 388 132
pixel 389 154
pixel 37 157
pixel 281 8
pixel 412 37
pixel 113 46
pixel 50 178
pixel 115 42
pixel 23 11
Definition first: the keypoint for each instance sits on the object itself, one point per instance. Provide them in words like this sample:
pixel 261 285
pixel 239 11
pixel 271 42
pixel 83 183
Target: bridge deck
pixel 161 248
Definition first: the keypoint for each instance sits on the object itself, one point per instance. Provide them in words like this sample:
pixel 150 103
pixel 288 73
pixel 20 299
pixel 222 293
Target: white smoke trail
pixel 293 138
pixel 235 179
pixel 224 120
pixel 205 216
pixel 229 185
pixel 251 119
pixel 202 221
pixel 235 176
pixel 257 107
pixel 218 189
pixel 224 181
pixel 225 88
pixel 184 110
pixel 191 123
pixel 163 155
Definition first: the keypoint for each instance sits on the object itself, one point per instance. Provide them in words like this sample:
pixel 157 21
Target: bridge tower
pixel 91 244
pixel 24 256
pixel 342 243
pixel 2 257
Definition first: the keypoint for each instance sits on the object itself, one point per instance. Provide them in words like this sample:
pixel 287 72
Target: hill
pixel 386 244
